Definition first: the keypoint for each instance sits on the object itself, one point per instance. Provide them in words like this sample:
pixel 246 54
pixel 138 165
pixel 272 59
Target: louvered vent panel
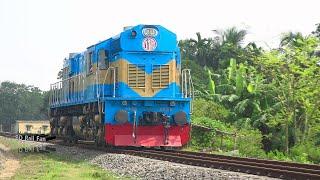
pixel 136 76
pixel 160 76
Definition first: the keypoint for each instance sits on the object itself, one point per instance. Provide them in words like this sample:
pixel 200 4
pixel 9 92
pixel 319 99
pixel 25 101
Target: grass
pixel 51 166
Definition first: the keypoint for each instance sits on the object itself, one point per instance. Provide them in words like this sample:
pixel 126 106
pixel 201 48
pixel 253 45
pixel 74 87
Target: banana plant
pixel 237 75
pixel 240 79
pixel 211 85
pixel 232 69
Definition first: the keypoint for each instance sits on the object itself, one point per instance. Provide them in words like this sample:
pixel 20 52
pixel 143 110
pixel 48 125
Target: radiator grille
pixel 136 76
pixel 160 76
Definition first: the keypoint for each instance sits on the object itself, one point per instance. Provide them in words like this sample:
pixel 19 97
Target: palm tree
pixel 234 36
pixel 187 51
pixel 202 48
pixel 228 44
pixel 290 38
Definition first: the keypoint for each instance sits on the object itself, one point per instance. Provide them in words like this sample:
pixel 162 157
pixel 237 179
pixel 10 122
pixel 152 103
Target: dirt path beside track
pixel 8 163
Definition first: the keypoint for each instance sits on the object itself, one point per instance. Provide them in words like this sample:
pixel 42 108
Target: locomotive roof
pixel 129 29
pixel 165 37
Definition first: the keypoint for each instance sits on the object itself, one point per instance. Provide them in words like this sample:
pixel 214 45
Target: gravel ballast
pixel 144 168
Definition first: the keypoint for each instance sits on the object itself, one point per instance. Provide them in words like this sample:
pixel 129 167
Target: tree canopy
pixel 276 92
pixel 19 101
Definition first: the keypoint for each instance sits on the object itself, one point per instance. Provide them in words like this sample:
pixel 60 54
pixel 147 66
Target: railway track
pixel 261 167
pixel 276 169
pixel 8 134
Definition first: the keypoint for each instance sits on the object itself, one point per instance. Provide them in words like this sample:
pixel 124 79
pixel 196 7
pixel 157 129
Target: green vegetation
pixel 57 167
pixel 270 99
pixel 19 101
pixel 52 166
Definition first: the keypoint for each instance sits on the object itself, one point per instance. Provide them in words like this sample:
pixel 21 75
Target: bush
pixel 209 109
pixel 209 139
pixel 305 153
pixel 277 155
pixel 250 143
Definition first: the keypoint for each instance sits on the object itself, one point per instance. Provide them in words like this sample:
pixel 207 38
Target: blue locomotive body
pixel 128 90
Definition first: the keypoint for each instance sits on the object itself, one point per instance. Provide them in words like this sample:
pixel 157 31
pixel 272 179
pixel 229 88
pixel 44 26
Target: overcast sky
pixel 36 35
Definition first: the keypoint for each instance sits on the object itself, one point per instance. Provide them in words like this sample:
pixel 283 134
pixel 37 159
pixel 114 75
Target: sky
pixel 36 35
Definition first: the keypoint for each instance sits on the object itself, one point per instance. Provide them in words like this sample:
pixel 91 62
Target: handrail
pixel 114 80
pixel 64 90
pixel 191 91
pixel 187 87
pixel 97 85
pixel 69 90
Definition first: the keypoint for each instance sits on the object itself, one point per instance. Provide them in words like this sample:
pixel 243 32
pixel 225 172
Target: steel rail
pixel 265 161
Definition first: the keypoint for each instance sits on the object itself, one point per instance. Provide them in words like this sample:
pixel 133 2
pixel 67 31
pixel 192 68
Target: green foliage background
pixel 22 102
pixel 270 98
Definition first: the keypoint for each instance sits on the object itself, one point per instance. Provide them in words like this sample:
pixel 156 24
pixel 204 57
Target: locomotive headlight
pixel 121 117
pixel 180 118
pixel 133 33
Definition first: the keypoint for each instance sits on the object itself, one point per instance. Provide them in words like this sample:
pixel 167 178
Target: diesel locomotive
pixel 128 90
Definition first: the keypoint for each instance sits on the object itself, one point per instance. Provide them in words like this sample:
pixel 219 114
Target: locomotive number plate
pixel 149 32
pixel 149 44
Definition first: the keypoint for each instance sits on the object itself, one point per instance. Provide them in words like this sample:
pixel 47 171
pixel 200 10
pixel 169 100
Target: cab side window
pixel 89 59
pixel 103 59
